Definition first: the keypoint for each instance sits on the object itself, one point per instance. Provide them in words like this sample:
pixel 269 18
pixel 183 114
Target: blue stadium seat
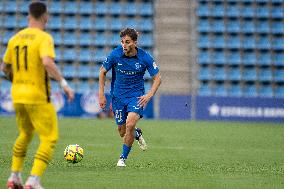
pixel 56 7
pixel 146 40
pixel 248 42
pixel 219 41
pixel 145 24
pixel 101 23
pixel 249 58
pixel 84 71
pixel 262 26
pixel 203 25
pixel 70 38
pixel 133 23
pixel 218 26
pixel 71 7
pixel 234 74
pixel 265 91
pixel 100 55
pixel 218 10
pixel 279 91
pixel 277 27
pixel 262 11
pixel 130 9
pixel 7 35
pixel 146 9
pixel 204 90
pixel 219 74
pixel 250 90
pixel 265 74
pixel 233 26
pixel 69 54
pixel 86 23
pixel 233 10
pixel 219 58
pixel 278 43
pixel 114 40
pixel 85 55
pixel 234 58
pixel 248 26
pixel 235 90
pixel 204 57
pixel 55 22
pixel 10 21
pixel 85 39
pixel 115 8
pixel 69 71
pixel 101 8
pixel 100 39
pixel 263 42
pixel 205 73
pixel 278 75
pixel 58 40
pixel 278 59
pixel 203 10
pixel 10 7
pixel 233 42
pixel 116 24
pixel 277 12
pixel 58 55
pixel 96 71
pixel 248 11
pixel 70 23
pixel 203 41
pixel 23 22
pixel 86 7
pixel 220 90
pixel 249 74
pixel 264 58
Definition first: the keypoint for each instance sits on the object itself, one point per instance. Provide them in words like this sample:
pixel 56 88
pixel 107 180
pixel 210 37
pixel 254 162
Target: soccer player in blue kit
pixel 128 64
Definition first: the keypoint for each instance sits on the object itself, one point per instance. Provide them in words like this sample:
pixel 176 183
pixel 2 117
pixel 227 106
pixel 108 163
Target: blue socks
pixel 125 151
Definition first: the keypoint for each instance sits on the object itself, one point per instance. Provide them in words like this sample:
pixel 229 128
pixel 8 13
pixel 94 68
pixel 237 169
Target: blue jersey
pixel 128 72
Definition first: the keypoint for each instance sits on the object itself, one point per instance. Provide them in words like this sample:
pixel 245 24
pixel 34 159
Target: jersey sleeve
pixel 152 67
pixel 47 47
pixel 7 58
pixel 109 61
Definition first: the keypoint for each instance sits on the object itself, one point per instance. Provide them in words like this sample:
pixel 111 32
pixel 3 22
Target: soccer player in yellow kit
pixel 28 62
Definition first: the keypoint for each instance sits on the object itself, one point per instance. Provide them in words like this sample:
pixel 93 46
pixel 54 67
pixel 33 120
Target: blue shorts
pixel 121 107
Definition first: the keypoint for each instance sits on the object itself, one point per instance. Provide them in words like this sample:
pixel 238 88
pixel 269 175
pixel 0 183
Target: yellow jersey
pixel 30 80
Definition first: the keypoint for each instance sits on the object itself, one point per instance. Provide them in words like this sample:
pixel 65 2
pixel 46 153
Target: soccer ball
pixel 73 153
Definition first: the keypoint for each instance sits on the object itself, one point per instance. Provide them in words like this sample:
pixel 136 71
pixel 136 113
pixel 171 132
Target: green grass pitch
pixel 181 154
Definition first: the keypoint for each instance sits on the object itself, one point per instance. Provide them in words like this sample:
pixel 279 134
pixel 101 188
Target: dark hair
pixel 37 9
pixel 132 33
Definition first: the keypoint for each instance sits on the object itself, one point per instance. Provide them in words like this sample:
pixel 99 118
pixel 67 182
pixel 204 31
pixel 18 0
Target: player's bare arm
pixel 102 98
pixel 53 72
pixel 7 70
pixel 143 100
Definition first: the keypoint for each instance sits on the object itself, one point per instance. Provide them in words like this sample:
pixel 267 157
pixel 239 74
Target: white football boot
pixel 15 182
pixel 121 162
pixel 33 183
pixel 142 143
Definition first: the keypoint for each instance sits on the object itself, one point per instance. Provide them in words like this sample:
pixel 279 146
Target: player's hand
pixel 143 100
pixel 102 101
pixel 69 92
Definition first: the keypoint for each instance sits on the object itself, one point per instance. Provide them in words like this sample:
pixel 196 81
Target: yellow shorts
pixel 40 118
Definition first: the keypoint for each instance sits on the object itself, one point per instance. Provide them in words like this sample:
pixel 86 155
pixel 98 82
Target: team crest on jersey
pixel 137 65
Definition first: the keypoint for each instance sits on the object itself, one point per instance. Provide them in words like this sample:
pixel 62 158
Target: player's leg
pixel 20 147
pixel 44 120
pixel 121 130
